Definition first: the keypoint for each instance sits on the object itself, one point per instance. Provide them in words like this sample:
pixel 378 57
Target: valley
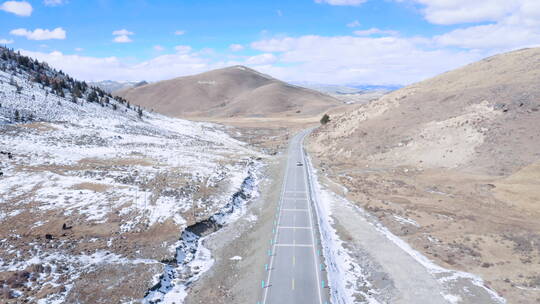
pixel 227 187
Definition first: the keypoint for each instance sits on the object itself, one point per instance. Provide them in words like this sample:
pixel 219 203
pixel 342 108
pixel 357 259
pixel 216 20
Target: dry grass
pixel 458 154
pixel 147 162
pixel 39 126
pixel 229 92
pixel 92 187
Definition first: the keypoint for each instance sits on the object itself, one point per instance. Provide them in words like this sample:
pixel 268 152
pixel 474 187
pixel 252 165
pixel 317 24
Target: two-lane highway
pixel 295 270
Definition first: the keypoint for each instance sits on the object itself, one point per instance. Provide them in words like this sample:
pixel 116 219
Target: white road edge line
pixel 293 245
pixel 310 218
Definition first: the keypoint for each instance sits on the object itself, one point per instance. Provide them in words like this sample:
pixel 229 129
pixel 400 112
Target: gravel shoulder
pixel 239 249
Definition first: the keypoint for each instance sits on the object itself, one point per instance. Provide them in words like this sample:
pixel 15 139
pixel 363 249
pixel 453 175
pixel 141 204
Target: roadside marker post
pixel 323 284
pixel 266 267
pixel 262 284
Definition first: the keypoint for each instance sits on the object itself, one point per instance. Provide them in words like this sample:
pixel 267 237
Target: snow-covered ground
pixel 89 187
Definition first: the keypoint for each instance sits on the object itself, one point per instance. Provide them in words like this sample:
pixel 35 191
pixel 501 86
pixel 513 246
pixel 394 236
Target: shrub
pixel 325 119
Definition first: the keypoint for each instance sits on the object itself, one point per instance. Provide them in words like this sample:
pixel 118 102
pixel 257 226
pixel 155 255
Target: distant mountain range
pixel 110 86
pixel 347 89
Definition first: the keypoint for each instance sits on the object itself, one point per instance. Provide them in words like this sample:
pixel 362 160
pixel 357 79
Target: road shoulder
pixel 240 249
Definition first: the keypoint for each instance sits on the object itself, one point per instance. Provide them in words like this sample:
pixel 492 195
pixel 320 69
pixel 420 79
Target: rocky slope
pixel 451 165
pixel 230 92
pixel 95 194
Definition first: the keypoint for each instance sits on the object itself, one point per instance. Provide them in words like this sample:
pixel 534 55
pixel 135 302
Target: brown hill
pixel 229 92
pixel 476 117
pixel 460 155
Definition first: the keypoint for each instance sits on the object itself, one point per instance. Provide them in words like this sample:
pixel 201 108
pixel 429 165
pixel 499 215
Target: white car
pixel 299 164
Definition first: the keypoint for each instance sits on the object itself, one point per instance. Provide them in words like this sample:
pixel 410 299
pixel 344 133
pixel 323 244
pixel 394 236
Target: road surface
pixel 295 269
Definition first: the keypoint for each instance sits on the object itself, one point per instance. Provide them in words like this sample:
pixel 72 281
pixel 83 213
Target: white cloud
pixel 179 32
pixel 122 39
pixel 19 8
pixel 122 32
pixel 342 2
pixel 513 24
pixel 182 49
pixel 266 58
pixel 462 11
pixel 79 49
pixel 159 48
pixel 375 31
pixel 354 23
pixel 491 36
pixel 350 59
pixel 54 2
pixel 322 59
pixel 6 41
pixel 273 45
pixel 40 34
pixel 236 47
pixel 95 69
pixel 122 36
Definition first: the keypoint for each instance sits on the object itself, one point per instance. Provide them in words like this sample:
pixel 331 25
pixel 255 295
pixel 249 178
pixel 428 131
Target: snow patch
pixel 406 221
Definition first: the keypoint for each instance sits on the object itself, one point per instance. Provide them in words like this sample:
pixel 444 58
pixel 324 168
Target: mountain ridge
pixel 228 92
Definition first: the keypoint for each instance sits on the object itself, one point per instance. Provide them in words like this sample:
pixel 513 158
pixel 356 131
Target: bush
pixel 92 97
pixel 325 119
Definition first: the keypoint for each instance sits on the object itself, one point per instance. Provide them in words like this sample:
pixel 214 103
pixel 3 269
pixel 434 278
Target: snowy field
pixel 94 198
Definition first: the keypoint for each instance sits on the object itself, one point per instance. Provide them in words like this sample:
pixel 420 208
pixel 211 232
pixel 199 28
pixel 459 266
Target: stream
pixel 192 259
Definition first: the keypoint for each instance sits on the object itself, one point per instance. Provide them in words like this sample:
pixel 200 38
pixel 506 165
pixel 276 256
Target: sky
pixel 346 42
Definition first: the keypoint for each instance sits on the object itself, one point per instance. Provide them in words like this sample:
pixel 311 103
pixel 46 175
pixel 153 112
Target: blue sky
pixel 323 41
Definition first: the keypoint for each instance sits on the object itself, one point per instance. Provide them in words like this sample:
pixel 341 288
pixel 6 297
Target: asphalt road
pixel 295 270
